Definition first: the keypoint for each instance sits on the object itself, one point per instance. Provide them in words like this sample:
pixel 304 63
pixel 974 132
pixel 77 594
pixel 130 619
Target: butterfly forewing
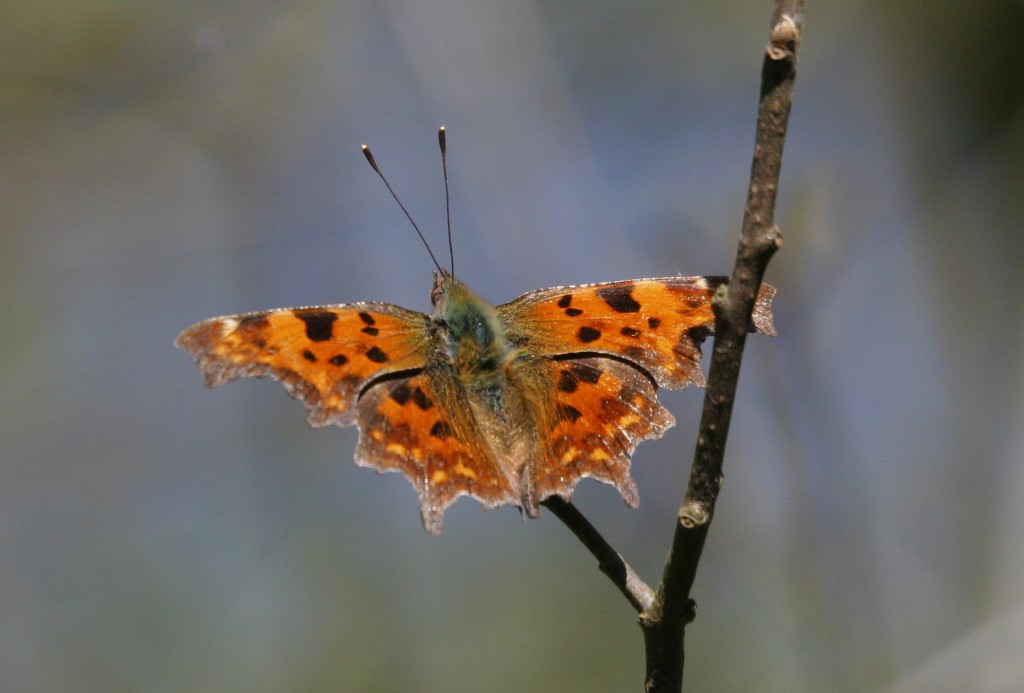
pixel 657 324
pixel 324 355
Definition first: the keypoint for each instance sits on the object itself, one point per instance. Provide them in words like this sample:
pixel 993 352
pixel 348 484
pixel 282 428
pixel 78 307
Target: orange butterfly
pixel 508 404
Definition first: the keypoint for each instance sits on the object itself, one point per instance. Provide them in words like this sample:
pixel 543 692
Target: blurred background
pixel 161 163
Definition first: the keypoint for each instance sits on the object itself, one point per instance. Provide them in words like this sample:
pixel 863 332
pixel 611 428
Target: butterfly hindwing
pixel 420 426
pixel 657 324
pixel 603 409
pixel 323 355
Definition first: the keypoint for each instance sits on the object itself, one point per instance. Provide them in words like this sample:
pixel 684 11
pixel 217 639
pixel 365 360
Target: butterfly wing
pixel 657 324
pixel 422 426
pixel 323 355
pixel 602 409
pixel 608 346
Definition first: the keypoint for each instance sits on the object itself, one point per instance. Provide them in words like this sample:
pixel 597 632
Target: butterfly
pixel 508 404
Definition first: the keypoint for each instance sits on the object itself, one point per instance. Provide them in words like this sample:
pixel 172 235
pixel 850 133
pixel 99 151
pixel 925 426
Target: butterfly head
pixel 443 279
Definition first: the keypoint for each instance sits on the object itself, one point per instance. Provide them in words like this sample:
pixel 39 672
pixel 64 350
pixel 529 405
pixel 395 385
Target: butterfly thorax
pixel 472 335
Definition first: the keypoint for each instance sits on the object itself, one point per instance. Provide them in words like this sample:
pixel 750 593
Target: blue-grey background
pixel 161 163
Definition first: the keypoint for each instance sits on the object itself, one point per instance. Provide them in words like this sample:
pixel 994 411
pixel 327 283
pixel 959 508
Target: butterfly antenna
pixel 373 163
pixel 443 142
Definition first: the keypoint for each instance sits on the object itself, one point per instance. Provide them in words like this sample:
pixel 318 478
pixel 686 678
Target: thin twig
pixel 665 621
pixel 638 592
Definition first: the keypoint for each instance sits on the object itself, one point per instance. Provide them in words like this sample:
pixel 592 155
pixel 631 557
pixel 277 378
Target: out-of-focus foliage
pixel 164 162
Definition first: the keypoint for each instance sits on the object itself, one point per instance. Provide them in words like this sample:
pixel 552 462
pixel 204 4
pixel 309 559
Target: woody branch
pixel 664 622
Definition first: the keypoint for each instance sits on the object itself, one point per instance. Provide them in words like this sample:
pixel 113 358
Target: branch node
pixel 690 612
pixel 763 245
pixel 693 514
pixel 782 40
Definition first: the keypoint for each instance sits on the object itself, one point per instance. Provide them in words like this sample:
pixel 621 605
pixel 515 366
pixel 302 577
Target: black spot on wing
pixel 588 334
pixel 367 318
pixel 653 323
pixel 573 312
pixel 338 360
pixel 309 355
pixel 420 399
pixel 629 332
pixel 569 412
pixel 586 373
pixel 570 378
pixel 401 394
pixel 372 331
pixel 619 298
pixel 376 354
pixel 441 430
pixel 565 301
pixel 319 324
pixel 567 381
